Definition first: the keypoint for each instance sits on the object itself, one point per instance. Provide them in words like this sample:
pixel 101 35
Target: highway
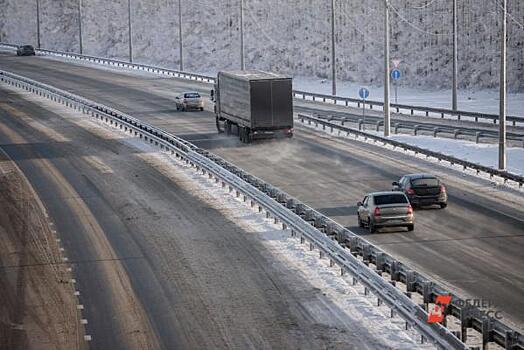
pixel 474 246
pixel 156 266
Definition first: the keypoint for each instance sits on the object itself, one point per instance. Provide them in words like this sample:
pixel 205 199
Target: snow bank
pixel 291 36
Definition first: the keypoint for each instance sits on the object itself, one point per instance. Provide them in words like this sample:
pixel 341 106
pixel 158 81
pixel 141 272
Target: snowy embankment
pixel 485 154
pixel 484 101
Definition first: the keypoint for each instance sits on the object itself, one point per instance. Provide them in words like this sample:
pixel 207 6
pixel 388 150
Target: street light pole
pixel 333 52
pixel 502 112
pixel 180 46
pixel 80 26
pixel 454 104
pixel 387 115
pixel 129 22
pixel 242 65
pixel 38 23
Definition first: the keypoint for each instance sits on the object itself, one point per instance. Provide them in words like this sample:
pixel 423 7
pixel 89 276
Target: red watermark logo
pixel 436 314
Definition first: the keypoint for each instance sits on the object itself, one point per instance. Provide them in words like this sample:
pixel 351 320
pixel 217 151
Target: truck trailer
pixel 258 104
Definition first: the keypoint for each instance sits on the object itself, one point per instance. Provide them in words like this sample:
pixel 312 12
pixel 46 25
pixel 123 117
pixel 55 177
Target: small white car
pixel 189 100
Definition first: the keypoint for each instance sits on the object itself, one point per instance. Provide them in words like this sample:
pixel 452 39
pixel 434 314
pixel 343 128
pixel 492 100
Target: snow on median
pixel 484 154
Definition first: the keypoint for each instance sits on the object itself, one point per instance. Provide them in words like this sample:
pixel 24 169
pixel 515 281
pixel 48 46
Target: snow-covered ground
pixel 485 154
pixel 486 101
pixel 292 36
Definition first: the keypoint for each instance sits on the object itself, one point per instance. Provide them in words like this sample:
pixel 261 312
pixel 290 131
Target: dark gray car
pixel 422 189
pixel 25 50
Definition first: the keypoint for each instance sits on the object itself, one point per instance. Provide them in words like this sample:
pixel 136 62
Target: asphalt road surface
pixel 156 266
pixel 475 246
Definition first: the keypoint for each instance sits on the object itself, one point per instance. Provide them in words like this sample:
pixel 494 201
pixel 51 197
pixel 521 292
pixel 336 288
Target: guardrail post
pixel 465 321
pixel 511 339
pixel 379 261
pixel 478 134
pixel 410 281
pixel 395 128
pixel 394 271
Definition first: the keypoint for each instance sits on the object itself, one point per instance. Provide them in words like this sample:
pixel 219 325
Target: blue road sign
pixel 395 74
pixel 363 93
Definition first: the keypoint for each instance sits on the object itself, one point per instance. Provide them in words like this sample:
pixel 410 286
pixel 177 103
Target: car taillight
pixel 410 191
pixel 442 189
pixel 377 211
pixel 410 210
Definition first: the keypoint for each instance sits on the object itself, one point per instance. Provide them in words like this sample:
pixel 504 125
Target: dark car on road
pixel 422 189
pixel 25 50
pixel 385 209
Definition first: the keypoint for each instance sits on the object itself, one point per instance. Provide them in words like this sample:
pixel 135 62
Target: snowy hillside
pixel 291 36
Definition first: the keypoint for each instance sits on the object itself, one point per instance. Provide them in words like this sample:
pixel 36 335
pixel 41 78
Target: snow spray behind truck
pixel 258 104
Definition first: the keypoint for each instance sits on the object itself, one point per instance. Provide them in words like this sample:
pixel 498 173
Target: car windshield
pixel 390 199
pixel 191 95
pixel 27 47
pixel 428 182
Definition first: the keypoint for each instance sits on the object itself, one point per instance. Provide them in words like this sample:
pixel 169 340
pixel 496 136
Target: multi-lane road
pixel 155 264
pixel 474 246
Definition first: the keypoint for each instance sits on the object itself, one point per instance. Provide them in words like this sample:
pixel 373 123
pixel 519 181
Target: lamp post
pixel 333 52
pixel 180 44
pixel 130 33
pixel 454 104
pixel 80 27
pixel 387 115
pixel 242 64
pixel 38 23
pixel 502 110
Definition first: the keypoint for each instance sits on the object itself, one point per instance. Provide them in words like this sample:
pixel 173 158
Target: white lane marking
pixel 80 307
pixel 87 337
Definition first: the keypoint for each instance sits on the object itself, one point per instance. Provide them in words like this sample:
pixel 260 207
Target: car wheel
pixel 410 227
pixel 360 223
pixel 371 226
pixel 443 205
pixel 201 109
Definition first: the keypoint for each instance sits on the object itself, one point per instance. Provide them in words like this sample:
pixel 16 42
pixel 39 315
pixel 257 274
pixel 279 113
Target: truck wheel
pixel 218 126
pixel 242 134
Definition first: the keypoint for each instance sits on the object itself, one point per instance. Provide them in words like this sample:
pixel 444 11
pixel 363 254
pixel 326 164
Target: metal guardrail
pixel 442 112
pixel 310 225
pixel 118 63
pixel 415 126
pixel 505 175
pixel 304 95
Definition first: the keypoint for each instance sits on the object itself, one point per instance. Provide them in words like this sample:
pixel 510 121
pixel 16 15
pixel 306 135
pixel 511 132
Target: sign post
pixel 395 75
pixel 363 93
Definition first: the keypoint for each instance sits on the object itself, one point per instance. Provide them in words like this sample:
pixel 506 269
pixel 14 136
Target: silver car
pixel 385 209
pixel 189 100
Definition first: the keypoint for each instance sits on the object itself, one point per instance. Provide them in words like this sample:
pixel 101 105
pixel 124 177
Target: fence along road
pixel 305 165
pixel 298 94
